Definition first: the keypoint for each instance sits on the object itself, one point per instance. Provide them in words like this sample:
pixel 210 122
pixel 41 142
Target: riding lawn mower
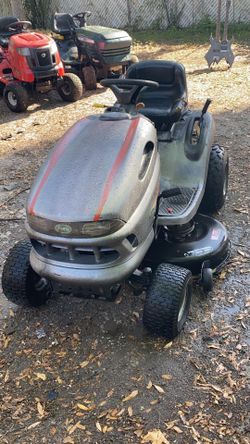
pixel 92 52
pixel 127 195
pixel 30 63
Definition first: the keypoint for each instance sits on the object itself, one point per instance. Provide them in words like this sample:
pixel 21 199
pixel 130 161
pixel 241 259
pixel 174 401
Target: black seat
pixel 63 24
pixel 165 104
pixel 5 22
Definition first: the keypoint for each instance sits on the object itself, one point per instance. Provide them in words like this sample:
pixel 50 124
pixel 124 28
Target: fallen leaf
pixel 40 409
pixel 84 364
pixel 41 376
pixel 177 429
pixel 68 440
pixel 84 407
pixel 158 388
pixel 155 437
pixel 53 430
pixel 132 395
pixel 73 428
pixel 7 376
pixel 130 411
pixel 167 377
pixel 98 426
pixel 150 385
pixel 35 424
pixel 138 433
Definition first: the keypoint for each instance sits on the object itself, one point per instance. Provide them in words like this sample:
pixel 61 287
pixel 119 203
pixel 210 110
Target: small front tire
pixel 21 285
pixel 16 97
pixel 168 300
pixel 70 89
pixel 207 282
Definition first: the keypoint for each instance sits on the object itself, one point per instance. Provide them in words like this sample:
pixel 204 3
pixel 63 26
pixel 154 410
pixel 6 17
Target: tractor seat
pixel 5 22
pixel 165 104
pixel 63 24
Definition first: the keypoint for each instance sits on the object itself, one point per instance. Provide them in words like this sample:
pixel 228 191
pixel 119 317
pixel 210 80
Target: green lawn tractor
pixel 92 52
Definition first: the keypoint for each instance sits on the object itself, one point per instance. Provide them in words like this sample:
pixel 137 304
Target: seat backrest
pixel 5 22
pixel 170 75
pixel 63 23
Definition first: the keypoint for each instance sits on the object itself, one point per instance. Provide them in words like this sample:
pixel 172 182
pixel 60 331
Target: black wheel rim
pixel 66 89
pixel 12 99
pixel 184 306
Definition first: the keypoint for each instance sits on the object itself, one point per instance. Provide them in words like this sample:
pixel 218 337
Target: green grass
pixel 198 34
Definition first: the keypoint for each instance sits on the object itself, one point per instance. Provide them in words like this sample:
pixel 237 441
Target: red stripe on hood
pixel 121 155
pixel 53 161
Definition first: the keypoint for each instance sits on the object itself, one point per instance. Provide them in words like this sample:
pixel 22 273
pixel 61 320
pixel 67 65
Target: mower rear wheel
pixel 21 285
pixel 70 89
pixel 89 77
pixel 168 300
pixel 217 181
pixel 16 97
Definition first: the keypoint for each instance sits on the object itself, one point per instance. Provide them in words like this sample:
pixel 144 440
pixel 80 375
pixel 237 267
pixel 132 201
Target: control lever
pixel 204 110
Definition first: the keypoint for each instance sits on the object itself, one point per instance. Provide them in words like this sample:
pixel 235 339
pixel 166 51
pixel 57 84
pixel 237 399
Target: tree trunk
pixel 17 9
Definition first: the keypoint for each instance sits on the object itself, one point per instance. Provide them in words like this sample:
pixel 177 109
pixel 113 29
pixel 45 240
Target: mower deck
pixel 207 241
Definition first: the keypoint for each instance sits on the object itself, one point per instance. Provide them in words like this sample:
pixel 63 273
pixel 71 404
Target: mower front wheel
pixel 70 89
pixel 21 285
pixel 168 300
pixel 16 97
pixel 89 77
pixel 217 181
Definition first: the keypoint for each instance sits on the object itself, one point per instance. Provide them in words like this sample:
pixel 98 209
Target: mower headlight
pixel 24 51
pixel 101 228
pixel 75 229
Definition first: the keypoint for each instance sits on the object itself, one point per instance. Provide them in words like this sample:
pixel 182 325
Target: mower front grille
pixel 177 205
pixel 78 255
pixel 41 59
pixel 44 57
pixel 122 52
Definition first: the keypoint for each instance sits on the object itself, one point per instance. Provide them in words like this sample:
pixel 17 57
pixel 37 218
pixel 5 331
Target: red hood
pixel 31 40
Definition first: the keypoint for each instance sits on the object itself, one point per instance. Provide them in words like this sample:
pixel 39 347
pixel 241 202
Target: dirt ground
pixel 80 371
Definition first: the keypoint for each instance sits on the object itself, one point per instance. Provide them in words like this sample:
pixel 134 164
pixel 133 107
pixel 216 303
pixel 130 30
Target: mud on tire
pixel 89 77
pixel 217 181
pixel 70 89
pixel 21 285
pixel 168 300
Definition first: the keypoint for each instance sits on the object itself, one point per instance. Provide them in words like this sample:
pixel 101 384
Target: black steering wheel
pixel 82 17
pixel 127 90
pixel 21 25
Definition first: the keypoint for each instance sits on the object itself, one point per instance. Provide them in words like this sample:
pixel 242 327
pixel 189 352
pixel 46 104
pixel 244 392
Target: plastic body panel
pixel 22 66
pixel 93 163
pixel 185 164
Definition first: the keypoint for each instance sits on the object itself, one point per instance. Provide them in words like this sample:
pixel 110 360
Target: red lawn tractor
pixel 30 63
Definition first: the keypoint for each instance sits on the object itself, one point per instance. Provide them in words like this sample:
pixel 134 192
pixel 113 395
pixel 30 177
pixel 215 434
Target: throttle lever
pixel 204 110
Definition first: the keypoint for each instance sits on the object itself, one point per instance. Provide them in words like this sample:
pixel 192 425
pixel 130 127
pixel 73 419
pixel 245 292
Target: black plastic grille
pixel 116 52
pixel 78 255
pixel 44 57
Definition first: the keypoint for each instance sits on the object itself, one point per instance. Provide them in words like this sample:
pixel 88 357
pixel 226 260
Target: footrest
pixel 175 206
